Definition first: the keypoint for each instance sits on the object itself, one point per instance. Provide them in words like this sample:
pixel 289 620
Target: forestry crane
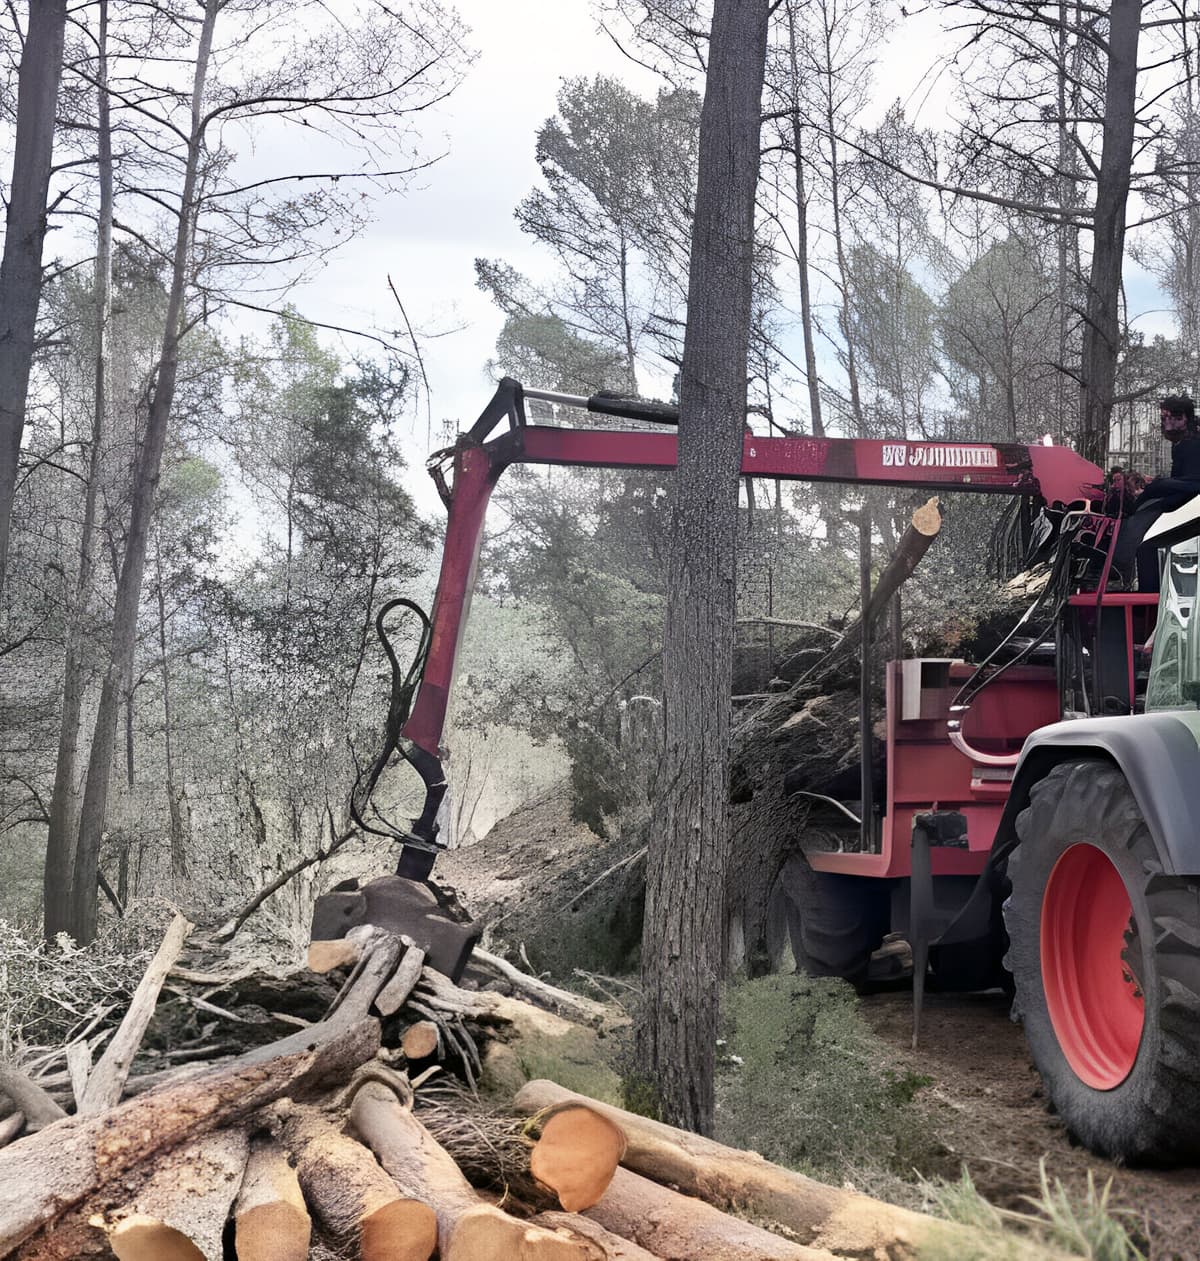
pixel 1038 816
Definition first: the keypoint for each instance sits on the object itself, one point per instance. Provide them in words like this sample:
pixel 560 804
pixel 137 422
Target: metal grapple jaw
pixel 407 908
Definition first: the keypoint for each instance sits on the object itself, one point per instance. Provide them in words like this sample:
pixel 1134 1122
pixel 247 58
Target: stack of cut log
pixel 361 1133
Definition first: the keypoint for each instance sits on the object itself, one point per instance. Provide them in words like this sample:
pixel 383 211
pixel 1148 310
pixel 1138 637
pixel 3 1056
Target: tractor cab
pixel 1174 676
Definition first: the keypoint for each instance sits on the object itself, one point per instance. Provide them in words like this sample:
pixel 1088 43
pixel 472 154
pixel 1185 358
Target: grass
pixel 804 1081
pixel 1079 1225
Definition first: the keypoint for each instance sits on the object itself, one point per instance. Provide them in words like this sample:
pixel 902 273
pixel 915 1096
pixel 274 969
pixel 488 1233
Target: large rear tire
pixel 834 921
pixel 1104 950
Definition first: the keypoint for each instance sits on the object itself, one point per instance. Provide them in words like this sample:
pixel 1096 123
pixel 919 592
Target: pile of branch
pixel 362 1132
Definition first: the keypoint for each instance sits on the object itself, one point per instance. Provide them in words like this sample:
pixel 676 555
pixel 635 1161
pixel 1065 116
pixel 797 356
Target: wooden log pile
pixel 360 1133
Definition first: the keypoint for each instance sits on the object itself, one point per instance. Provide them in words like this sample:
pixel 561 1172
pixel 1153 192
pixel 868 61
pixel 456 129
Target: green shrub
pixel 804 1081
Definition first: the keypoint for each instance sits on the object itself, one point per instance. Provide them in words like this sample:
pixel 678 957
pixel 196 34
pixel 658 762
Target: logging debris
pixel 317 1141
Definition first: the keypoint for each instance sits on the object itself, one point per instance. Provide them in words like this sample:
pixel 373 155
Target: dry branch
pixel 107 1079
pixel 39 1108
pixel 396 992
pixel 574 1006
pixel 444 997
pixel 46 1174
pixel 79 1067
pixel 10 1127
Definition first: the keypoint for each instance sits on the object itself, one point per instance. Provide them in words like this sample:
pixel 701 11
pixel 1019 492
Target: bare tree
pixel 21 264
pixel 688 859
pixel 356 82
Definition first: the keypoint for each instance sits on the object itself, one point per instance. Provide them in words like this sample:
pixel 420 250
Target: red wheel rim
pixel 1095 1004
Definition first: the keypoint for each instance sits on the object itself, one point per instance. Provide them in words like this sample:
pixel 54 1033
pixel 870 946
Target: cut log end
pixel 405 1230
pixel 142 1238
pixel 576 1156
pixel 485 1234
pixel 324 956
pixel 420 1040
pixel 927 519
pixel 273 1232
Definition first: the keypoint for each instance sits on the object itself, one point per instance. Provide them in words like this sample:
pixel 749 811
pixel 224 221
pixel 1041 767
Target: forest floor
pixel 984 1105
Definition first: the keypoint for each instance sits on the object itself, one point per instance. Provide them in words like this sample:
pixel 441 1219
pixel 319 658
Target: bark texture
pixel 688 857
pixel 82 917
pixel 21 263
pixel 1102 323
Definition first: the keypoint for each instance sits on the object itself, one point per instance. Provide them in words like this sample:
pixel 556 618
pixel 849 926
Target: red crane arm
pixel 1055 474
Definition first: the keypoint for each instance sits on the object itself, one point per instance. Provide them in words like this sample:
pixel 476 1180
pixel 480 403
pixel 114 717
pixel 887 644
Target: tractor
pixel 1038 824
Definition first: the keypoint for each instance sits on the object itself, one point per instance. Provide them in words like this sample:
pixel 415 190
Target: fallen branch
pixel 396 992
pixel 604 875
pixel 573 1006
pixel 11 1127
pixel 107 1079
pixel 29 1098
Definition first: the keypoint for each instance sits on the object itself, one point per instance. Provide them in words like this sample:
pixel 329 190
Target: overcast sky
pixel 462 207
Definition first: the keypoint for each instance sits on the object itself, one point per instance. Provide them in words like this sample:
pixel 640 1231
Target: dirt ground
pixel 988 1105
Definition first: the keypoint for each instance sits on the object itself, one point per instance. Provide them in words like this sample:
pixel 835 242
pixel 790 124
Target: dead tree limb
pixel 39 1108
pixel 107 1079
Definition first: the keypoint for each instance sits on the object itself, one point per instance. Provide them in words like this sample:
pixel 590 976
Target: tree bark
pixel 60 840
pixel 688 856
pixel 82 920
pixel 806 316
pixel 21 263
pixel 1102 320
pixel 846 1223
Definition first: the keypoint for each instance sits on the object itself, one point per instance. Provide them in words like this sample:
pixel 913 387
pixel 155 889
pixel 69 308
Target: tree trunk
pixel 1102 324
pixel 688 856
pixel 835 198
pixel 179 866
pixel 21 264
pixel 82 924
pixel 806 317
pixel 60 841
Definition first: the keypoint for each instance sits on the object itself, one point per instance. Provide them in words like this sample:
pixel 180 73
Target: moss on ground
pixel 804 1081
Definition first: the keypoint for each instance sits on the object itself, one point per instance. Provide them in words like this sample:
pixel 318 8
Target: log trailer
pixel 1040 817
